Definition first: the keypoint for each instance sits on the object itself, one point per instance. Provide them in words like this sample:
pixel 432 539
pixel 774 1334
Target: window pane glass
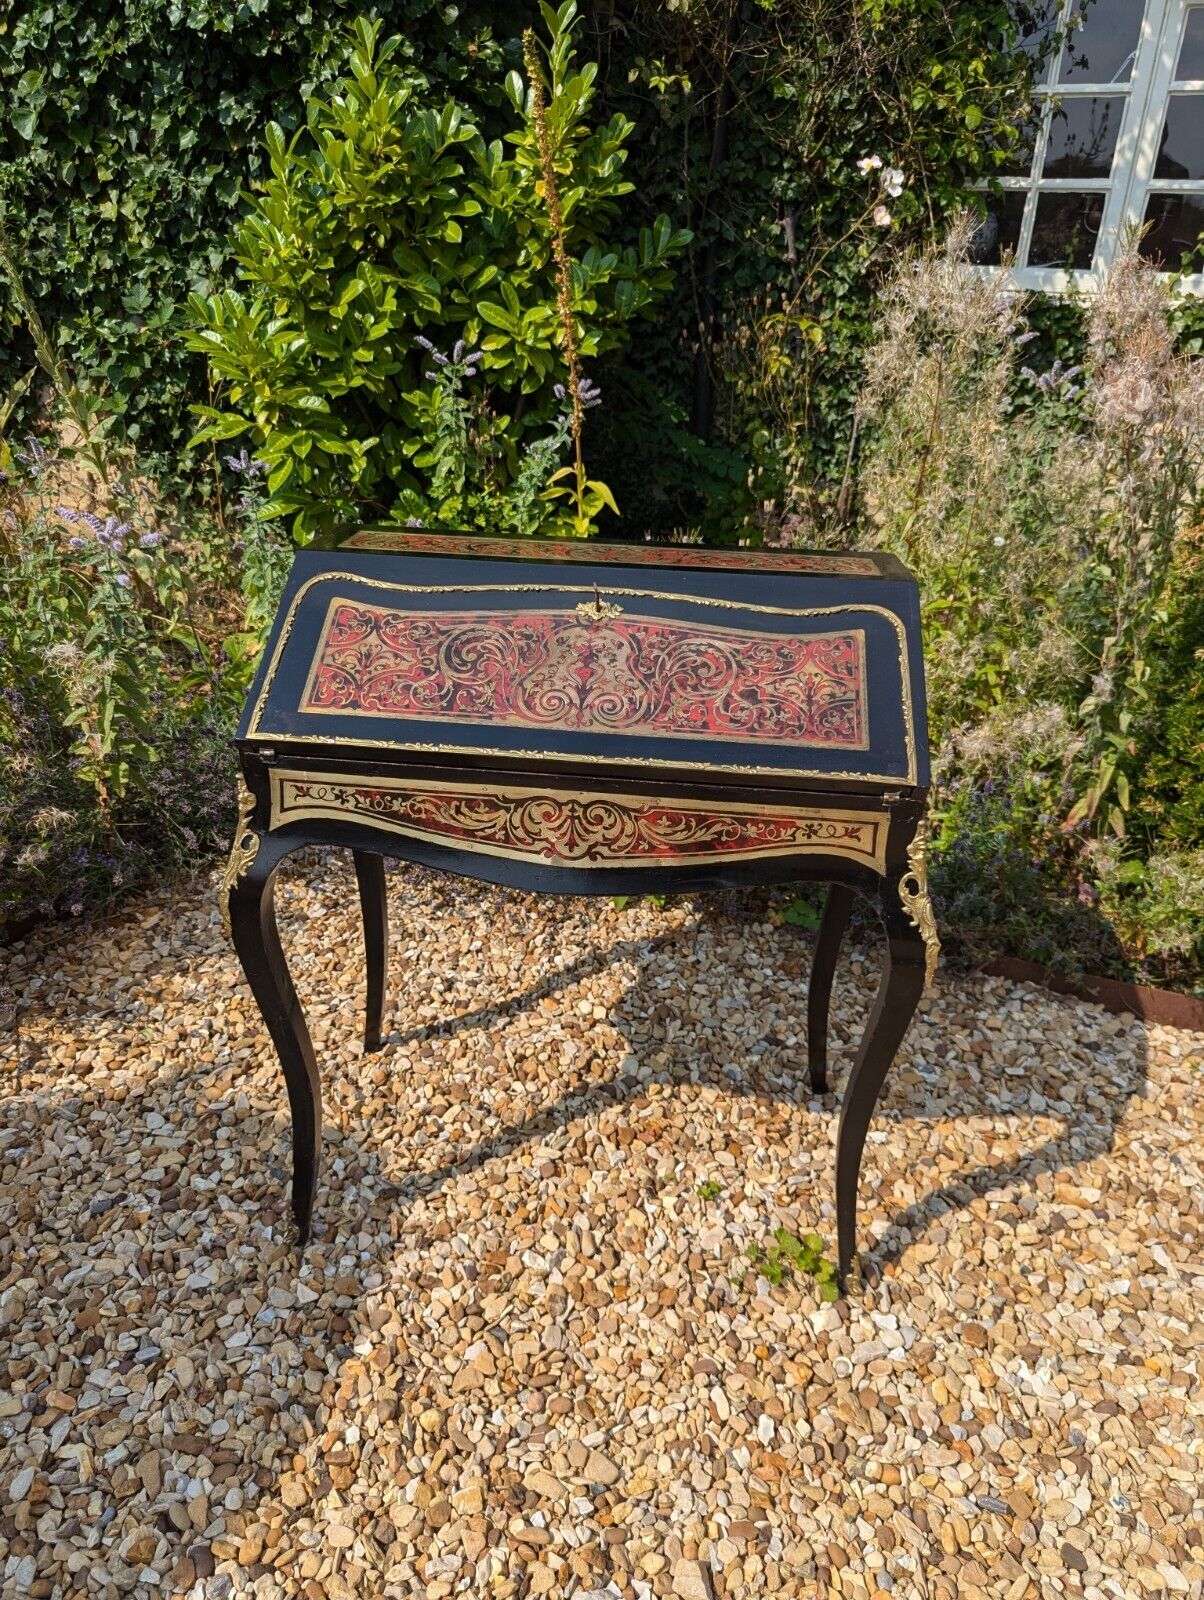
pixel 1082 136
pixel 1176 222
pixel 1065 230
pixel 1191 51
pixel 999 230
pixel 1181 148
pixel 1102 42
pixel 1038 23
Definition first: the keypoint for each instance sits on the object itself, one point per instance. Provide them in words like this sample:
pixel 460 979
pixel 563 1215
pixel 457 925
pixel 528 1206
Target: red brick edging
pixel 1134 999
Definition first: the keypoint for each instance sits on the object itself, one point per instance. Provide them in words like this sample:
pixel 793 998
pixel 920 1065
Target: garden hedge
pixel 132 127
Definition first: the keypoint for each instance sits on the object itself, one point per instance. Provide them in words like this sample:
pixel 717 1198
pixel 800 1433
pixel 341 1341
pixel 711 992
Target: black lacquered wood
pixel 257 942
pixel 687 776
pixel 899 991
pixel 374 906
pixel 838 908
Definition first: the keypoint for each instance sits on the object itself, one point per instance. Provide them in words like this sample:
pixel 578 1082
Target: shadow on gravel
pixel 947 1069
pixel 144 1211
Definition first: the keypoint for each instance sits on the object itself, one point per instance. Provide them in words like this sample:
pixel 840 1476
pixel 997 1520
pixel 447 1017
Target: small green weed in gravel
pixel 709 1189
pixel 788 1256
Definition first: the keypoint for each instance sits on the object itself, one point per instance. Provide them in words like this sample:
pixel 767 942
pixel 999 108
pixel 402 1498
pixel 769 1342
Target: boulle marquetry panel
pixel 637 675
pixel 560 826
pixel 701 668
pixel 591 719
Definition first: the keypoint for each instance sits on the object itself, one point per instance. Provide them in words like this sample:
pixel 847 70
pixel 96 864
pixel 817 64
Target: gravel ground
pixel 514 1361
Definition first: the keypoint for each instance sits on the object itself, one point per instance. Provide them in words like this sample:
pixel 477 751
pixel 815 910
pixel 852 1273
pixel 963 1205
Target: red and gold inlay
pixel 644 676
pixel 586 830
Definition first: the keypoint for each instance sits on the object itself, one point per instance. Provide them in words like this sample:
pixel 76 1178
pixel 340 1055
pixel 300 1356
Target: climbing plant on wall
pixel 128 131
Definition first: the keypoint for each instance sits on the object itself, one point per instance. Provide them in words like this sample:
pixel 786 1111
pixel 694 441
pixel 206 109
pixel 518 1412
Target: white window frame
pixel 1147 96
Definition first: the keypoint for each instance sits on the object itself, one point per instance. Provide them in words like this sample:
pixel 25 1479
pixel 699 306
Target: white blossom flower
pixel 882 216
pixel 868 164
pixel 892 182
pixel 1102 687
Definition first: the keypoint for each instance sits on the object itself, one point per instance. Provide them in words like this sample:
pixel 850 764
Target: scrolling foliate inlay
pixel 566 828
pixel 913 891
pixel 243 851
pixel 592 671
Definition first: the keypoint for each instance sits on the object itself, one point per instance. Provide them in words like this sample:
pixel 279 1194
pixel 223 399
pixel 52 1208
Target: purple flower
pixel 35 458
pixel 425 344
pixel 245 464
pixel 122 580
pixel 110 532
pixel 588 393
pixel 148 541
pixel 76 543
pixel 1056 378
pixel 67 514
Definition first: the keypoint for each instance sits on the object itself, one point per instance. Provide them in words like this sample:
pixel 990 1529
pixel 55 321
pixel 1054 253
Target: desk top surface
pixel 800 666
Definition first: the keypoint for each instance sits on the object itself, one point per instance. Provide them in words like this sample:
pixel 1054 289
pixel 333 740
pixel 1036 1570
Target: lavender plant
pixel 461 444
pixel 111 695
pixel 263 558
pixel 120 675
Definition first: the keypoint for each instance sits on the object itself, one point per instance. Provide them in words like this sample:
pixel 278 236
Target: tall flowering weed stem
pixel 588 496
pixel 560 256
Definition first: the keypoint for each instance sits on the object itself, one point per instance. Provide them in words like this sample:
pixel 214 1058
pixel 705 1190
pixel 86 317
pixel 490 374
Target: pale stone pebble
pixel 513 1360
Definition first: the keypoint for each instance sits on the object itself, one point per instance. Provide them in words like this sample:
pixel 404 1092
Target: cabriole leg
pixel 838 908
pixel 370 875
pixel 899 992
pixel 257 942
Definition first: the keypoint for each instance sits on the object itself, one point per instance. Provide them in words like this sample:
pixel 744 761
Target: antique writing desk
pixel 591 719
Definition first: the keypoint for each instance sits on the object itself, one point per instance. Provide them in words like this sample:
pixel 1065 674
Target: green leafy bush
pixel 389 231
pixel 132 126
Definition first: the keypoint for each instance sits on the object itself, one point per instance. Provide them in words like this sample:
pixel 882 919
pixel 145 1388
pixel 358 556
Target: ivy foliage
pixel 752 119
pixel 389 231
pixel 128 130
